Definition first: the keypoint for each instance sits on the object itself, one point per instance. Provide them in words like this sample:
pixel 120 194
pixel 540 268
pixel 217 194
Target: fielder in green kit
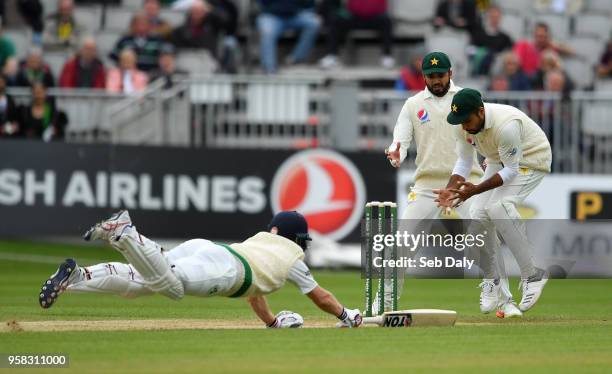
pixel 423 119
pixel 518 156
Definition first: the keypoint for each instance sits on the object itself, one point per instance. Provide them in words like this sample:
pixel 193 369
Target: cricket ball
pixel 499 314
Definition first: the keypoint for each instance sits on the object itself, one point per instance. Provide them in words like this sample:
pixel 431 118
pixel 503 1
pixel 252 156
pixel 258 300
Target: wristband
pixel 274 323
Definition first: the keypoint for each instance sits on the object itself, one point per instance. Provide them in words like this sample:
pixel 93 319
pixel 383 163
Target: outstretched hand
pixel 445 198
pixel 464 191
pixel 453 197
pixel 394 156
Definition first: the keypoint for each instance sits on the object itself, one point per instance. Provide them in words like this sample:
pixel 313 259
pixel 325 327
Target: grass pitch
pixel 569 330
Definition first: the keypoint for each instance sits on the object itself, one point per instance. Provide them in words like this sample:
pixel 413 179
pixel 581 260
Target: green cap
pixel 465 102
pixel 436 62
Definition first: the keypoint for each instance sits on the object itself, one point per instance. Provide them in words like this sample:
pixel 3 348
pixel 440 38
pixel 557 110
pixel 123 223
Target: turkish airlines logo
pixel 325 187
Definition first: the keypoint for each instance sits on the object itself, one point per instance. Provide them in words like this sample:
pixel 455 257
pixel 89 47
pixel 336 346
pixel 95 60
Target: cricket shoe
pixel 532 289
pixel 111 227
pixel 57 283
pixel 509 310
pixel 489 295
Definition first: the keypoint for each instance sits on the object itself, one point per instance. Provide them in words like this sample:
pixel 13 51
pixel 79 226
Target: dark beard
pixel 444 92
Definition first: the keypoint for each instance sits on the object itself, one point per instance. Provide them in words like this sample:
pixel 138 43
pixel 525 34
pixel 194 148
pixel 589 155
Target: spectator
pixel 84 70
pixel 34 70
pixel 279 15
pixel 145 45
pixel 9 125
pixel 7 48
pixel 62 29
pixel 157 26
pixel 511 70
pixel 10 71
pixel 32 13
pixel 411 76
pixel 551 62
pixel 529 53
pixel 499 83
pixel 554 81
pixel 40 119
pixel 458 14
pixel 604 70
pixel 230 46
pixel 167 67
pixel 202 27
pixel 126 78
pixel 357 14
pixel 489 40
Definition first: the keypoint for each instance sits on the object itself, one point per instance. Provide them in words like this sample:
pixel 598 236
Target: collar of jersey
pixel 452 88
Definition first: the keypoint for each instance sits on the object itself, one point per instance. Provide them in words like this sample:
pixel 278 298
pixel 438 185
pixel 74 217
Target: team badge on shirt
pixel 423 116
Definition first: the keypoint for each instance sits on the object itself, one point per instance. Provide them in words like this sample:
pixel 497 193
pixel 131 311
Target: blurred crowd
pixel 533 64
pixel 148 49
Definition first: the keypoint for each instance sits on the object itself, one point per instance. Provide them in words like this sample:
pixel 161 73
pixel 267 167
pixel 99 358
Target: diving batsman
pixel 252 269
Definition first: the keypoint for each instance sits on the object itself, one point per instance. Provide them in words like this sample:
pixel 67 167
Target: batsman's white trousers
pixel 204 268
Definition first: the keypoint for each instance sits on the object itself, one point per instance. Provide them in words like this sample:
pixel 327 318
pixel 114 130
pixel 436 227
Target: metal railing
pixel 86 110
pixel 259 112
pixel 579 127
pixel 158 116
pixel 294 112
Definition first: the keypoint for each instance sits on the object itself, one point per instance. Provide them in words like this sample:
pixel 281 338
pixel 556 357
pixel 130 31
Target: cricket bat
pixel 414 318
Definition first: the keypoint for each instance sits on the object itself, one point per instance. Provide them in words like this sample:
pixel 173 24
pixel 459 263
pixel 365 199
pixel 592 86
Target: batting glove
pixel 286 319
pixel 349 318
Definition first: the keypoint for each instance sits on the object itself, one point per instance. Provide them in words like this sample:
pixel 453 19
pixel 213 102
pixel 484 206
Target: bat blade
pixel 414 318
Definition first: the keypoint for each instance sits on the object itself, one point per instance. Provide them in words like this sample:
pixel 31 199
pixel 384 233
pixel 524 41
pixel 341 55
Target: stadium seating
pixel 131 4
pixel 56 60
pixel 599 5
pixel 90 17
pixel 514 25
pixel 21 38
pixel 174 18
pixel 454 43
pixel 196 62
pixel 106 41
pixel 49 7
pixel 603 85
pixel 580 71
pixel 596 24
pixel 413 10
pixel 587 48
pixel 118 19
pixel 520 6
pixel 592 114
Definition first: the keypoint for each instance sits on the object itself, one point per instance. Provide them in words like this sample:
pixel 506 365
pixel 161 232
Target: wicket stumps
pixel 386 223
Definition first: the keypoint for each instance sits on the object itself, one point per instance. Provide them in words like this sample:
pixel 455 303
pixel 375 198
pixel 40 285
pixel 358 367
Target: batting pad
pixel 147 259
pixel 111 284
pixel 112 278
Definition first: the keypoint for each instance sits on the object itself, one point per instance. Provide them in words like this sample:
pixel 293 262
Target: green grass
pixel 569 330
